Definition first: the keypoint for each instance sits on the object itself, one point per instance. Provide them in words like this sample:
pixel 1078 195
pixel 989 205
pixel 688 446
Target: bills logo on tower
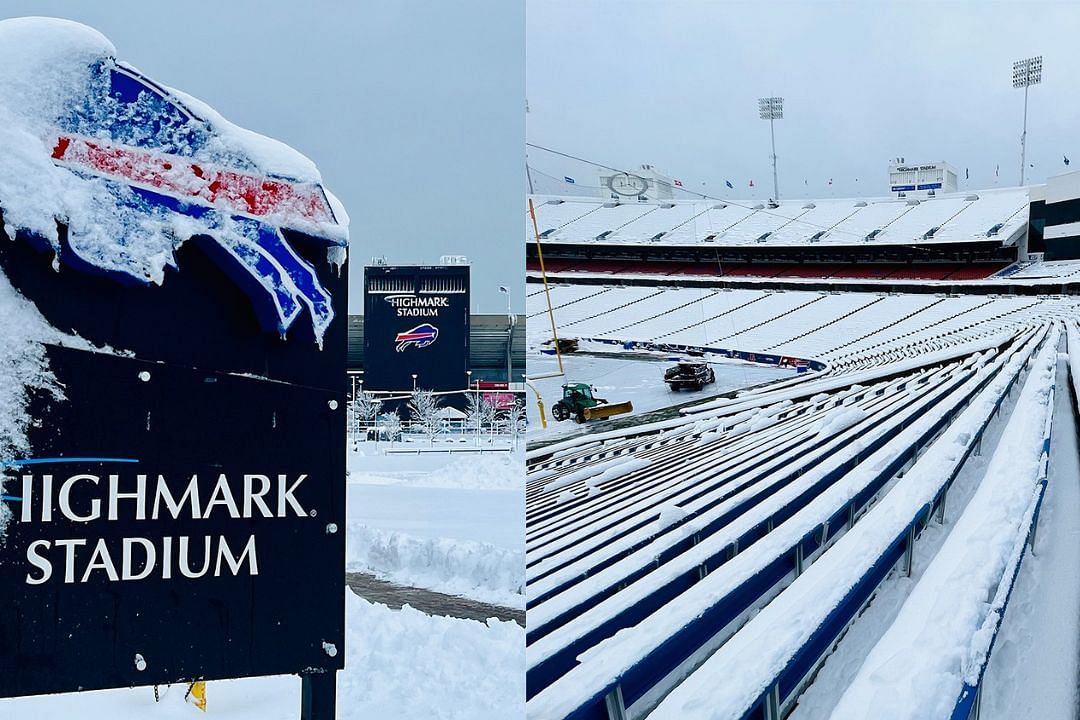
pixel 420 337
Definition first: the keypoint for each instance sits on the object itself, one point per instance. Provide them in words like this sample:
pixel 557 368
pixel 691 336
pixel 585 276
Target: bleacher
pixel 847 331
pixel 707 565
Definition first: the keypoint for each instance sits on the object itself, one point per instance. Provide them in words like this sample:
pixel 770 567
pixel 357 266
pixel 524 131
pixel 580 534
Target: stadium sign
pixel 416 328
pixel 627 185
pixel 186 472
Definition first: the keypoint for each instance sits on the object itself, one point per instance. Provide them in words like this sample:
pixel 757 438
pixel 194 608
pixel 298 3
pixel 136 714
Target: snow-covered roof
pixel 998 214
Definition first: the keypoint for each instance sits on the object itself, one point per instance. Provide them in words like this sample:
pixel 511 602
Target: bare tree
pixel 480 413
pixel 424 407
pixel 391 425
pixel 517 422
pixel 367 407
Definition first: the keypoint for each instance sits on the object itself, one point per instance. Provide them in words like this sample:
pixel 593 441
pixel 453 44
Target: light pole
pixel 414 382
pixel 771 109
pixel 1026 72
pixel 476 404
pixel 509 334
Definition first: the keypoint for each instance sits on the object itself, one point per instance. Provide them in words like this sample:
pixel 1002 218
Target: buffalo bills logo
pixel 419 337
pixel 158 168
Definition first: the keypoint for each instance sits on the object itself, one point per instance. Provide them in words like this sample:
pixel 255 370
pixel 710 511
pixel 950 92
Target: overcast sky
pixel 412 109
pixel 676 85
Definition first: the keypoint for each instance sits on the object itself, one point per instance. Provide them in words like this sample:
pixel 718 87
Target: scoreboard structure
pixel 416 328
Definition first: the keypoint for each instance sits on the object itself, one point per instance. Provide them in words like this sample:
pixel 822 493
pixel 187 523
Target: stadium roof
pixel 991 215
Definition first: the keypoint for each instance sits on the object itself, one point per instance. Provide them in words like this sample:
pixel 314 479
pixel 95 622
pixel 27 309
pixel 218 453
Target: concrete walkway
pixel 392 595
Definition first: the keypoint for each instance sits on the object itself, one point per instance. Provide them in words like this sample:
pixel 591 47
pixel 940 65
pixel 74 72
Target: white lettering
pixel 40 562
pixel 191 494
pixel 65 499
pixel 222 495
pixel 69 559
pixel 151 558
pixel 251 497
pixel 139 496
pixel 225 553
pixel 286 496
pixel 185 567
pixel 100 559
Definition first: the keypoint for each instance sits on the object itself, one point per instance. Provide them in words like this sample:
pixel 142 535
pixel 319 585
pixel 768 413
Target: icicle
pixel 336 255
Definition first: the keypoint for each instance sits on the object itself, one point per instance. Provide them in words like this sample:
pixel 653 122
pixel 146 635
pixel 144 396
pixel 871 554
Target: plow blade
pixel 605 411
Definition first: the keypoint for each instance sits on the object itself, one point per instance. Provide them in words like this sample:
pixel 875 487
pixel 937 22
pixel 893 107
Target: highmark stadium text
pixel 47 498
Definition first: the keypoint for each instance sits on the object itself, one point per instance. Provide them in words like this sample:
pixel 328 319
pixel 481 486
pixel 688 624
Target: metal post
pixel 613 703
pixel 1023 139
pixel 909 552
pixel 772 703
pixel 775 184
pixel 318 696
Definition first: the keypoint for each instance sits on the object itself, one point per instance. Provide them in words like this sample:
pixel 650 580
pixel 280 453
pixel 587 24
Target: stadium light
pixel 1026 72
pixel 771 109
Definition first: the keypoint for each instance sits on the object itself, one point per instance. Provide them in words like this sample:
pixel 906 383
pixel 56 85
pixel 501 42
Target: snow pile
pixel 55 82
pixel 840 419
pixel 409 666
pixel 502 471
pixel 670 514
pixel 473 569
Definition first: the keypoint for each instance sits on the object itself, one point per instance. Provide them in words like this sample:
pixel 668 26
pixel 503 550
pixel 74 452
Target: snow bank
pixel 478 570
pixel 409 666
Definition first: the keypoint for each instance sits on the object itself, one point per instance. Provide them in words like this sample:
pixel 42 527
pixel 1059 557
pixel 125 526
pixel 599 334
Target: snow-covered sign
pixel 133 169
pixel 163 489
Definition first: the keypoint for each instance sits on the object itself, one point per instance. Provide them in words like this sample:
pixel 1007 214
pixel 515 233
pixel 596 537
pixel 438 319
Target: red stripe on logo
pixel 179 176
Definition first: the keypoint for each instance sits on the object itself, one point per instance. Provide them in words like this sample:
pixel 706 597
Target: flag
pixel 728 183
pixel 1066 158
pixel 751 183
pixel 568 179
pixel 678 183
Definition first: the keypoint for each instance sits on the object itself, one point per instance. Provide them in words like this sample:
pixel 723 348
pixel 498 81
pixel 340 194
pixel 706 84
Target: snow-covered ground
pixel 451 523
pixel 400 665
pixel 637 377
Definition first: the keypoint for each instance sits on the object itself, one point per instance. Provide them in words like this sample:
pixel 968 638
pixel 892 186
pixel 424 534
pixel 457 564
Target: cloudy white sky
pixel 675 84
pixel 411 109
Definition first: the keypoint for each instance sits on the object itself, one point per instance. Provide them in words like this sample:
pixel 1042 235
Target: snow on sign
pixel 170 472
pixel 137 169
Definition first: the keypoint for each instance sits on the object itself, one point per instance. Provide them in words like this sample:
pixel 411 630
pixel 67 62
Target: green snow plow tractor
pixel 579 403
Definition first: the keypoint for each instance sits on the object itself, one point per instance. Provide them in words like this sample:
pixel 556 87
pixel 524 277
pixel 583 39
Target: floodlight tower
pixel 1026 73
pixel 772 108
